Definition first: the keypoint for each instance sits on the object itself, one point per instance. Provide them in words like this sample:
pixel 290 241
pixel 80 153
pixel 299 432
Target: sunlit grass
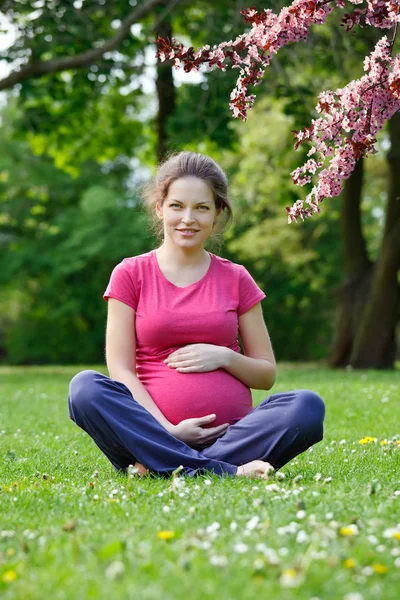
pixel 71 527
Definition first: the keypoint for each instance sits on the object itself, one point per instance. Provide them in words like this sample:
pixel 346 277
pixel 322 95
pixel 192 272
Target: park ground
pixel 327 526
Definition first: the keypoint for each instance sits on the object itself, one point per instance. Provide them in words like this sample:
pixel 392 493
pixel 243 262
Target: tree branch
pixel 35 69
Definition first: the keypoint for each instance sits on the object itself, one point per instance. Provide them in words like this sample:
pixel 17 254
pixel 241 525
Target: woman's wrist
pixel 170 427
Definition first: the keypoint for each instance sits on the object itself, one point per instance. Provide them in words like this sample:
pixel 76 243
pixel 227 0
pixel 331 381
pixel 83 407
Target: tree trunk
pixel 165 91
pixel 353 293
pixel 375 342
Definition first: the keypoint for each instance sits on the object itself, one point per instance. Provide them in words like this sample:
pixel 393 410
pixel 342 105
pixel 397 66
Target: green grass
pixel 232 538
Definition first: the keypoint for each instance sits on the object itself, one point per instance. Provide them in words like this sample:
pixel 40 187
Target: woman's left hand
pixel 198 358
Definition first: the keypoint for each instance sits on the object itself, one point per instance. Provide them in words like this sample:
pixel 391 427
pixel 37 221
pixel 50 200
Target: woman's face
pixel 189 205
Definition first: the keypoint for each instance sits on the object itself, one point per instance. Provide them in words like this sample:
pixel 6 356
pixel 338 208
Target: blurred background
pixel 87 112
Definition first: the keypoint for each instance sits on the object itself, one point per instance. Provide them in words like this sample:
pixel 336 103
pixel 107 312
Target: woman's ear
pixel 159 211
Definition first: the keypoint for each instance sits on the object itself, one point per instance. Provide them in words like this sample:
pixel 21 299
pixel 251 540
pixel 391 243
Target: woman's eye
pixel 179 206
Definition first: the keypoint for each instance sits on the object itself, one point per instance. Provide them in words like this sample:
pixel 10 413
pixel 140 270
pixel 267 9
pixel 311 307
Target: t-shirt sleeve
pixel 122 285
pixel 249 292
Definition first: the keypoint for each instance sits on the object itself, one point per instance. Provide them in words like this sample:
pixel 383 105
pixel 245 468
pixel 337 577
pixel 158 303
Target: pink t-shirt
pixel 169 317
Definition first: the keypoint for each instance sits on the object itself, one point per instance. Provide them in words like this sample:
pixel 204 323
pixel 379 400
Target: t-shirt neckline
pixel 200 281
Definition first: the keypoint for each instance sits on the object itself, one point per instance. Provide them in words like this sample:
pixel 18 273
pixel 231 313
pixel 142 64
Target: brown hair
pixel 189 164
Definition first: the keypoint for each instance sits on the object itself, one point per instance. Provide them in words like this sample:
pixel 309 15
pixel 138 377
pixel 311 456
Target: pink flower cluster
pixel 378 13
pixel 351 117
pixel 362 106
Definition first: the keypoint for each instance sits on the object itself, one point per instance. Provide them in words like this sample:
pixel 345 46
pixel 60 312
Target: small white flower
pixel 373 539
pixel 312 519
pixel 29 534
pixel 7 533
pixel 289 578
pixel 252 523
pixel 291 528
pixel 272 487
pixel 317 477
pixel 207 482
pixel 300 514
pixel 218 560
pixel 328 480
pixel 391 531
pixel 280 476
pixel 166 509
pixel 213 527
pixel 342 442
pixel 353 596
pixel 115 569
pixel 302 537
pixel 233 526
pixel 258 564
pixel 240 548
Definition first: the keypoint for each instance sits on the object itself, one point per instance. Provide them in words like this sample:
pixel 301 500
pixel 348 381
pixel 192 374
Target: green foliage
pixel 61 238
pixel 76 144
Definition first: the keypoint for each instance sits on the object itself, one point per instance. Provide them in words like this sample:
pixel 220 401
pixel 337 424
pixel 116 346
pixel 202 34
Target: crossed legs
pixel 278 429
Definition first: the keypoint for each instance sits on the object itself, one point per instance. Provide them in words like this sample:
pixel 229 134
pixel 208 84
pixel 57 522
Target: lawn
pixel 73 528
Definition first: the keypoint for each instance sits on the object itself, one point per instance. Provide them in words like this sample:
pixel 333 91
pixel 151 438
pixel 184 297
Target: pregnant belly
pixel 182 396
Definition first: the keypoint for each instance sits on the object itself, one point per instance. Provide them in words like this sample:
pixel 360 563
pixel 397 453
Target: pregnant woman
pixel 179 387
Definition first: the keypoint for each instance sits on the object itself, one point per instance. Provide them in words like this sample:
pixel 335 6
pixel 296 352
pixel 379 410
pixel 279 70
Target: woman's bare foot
pixel 141 469
pixel 255 468
pixel 136 470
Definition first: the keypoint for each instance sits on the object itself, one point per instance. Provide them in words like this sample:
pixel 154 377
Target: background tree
pixel 82 140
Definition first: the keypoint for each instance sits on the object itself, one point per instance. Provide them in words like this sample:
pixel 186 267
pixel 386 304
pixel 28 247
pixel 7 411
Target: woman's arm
pixel 121 356
pixel 257 369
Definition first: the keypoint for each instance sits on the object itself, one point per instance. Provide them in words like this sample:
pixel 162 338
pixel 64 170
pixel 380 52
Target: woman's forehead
pixel 190 188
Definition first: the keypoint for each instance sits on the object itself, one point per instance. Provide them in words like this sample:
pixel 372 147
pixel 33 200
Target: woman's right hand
pixel 192 433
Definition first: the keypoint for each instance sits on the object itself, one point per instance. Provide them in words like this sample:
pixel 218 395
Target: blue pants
pixel 278 429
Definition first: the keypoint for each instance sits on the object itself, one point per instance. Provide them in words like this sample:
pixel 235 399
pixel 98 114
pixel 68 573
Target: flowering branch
pixel 351 116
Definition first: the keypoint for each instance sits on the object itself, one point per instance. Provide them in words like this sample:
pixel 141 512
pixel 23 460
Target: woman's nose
pixel 188 217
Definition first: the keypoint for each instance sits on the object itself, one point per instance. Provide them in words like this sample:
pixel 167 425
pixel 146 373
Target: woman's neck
pixel 182 258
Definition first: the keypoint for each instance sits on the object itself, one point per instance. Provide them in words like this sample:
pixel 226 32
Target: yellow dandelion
pixel 289 573
pixel 349 563
pixel 9 576
pixel 290 578
pixel 380 569
pixel 349 530
pixel 384 443
pixel 396 535
pixel 367 440
pixel 398 443
pixel 166 535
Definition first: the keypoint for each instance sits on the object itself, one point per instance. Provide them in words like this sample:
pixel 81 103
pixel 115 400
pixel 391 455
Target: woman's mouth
pixel 187 232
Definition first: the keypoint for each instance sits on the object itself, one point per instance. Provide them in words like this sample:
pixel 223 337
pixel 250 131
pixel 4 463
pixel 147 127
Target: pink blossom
pixel 350 116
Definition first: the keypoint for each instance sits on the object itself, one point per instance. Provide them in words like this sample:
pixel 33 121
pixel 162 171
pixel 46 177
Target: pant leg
pixel 278 429
pixel 126 432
